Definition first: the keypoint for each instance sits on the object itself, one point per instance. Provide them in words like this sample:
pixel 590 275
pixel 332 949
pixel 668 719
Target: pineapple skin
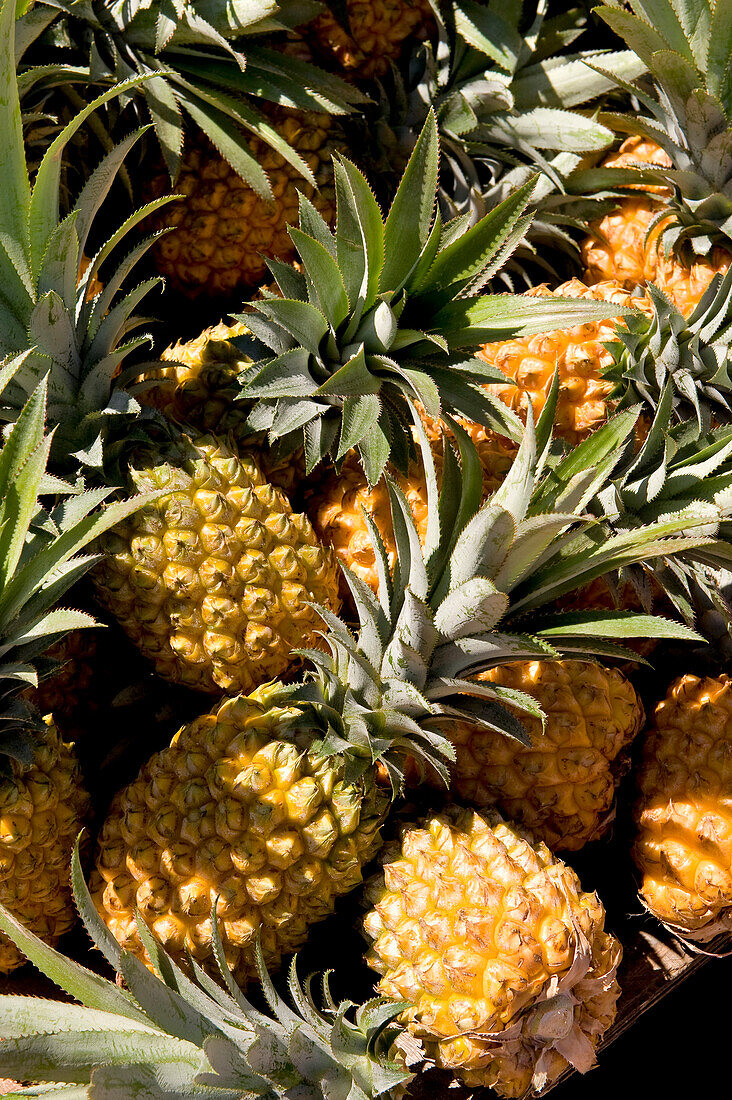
pixel 64 692
pixel 380 30
pixel 475 925
pixel 211 581
pixel 197 389
pixel 42 809
pixel 584 399
pixel 562 786
pixel 222 230
pixel 235 807
pixel 334 500
pixel 683 848
pixel 619 246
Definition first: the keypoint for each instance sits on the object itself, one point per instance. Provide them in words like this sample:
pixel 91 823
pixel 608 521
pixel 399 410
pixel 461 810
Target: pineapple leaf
pixel 410 217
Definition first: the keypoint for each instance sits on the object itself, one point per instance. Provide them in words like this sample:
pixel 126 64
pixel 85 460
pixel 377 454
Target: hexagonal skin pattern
pixel 223 231
pixel 501 956
pixel 562 785
pixel 579 353
pixel 42 809
pixel 212 580
pixel 684 813
pixel 235 808
pixel 380 30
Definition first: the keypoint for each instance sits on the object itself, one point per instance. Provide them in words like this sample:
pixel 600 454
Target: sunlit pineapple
pixel 502 958
pixel 684 844
pixel 561 785
pixel 580 355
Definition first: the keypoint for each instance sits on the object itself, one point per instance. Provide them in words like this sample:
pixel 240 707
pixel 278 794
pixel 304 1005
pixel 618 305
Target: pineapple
pixel 624 245
pixel 43 806
pixel 677 232
pixel 196 383
pixel 561 786
pixel 381 317
pixel 213 1043
pixel 684 845
pixel 65 690
pixel 271 802
pixel 224 230
pixel 374 33
pixel 42 801
pixel 514 100
pixel 501 957
pixel 335 501
pixel 580 354
pixel 213 579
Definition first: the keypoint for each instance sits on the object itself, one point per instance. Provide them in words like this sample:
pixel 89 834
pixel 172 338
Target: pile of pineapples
pixel 404 498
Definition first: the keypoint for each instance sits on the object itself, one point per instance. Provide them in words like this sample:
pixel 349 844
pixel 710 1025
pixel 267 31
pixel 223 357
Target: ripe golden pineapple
pixel 501 956
pixel 618 249
pixel 198 389
pixel 236 808
pixel 222 228
pixel 334 501
pixel 42 809
pixel 379 31
pixel 684 843
pixel 562 785
pixel 211 581
pixel 578 352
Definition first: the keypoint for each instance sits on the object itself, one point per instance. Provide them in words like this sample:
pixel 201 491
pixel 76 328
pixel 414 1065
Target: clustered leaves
pixel 202 59
pixel 40 560
pixel 386 313
pixel 687 47
pixel 689 355
pixel 167 1033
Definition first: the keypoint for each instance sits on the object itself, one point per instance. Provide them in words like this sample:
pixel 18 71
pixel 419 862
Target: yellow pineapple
pixel 620 247
pixel 198 389
pixel 579 353
pixel 237 808
pixel 562 785
pixel 684 844
pixel 379 31
pixel 223 230
pixel 335 501
pixel 212 581
pixel 500 955
pixel 42 809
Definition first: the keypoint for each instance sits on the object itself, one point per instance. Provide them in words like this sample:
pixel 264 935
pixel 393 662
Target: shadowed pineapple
pixel 379 31
pixel 223 231
pixel 501 957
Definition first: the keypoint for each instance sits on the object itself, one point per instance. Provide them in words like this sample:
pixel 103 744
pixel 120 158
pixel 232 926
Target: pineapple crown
pixel 470 599
pixel 689 356
pixel 687 47
pixel 48 306
pixel 386 312
pixel 40 559
pixel 505 94
pixel 170 1034
pixel 681 469
pixel 201 60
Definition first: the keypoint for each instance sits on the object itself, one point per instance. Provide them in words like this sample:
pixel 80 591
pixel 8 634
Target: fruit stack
pixel 359 595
